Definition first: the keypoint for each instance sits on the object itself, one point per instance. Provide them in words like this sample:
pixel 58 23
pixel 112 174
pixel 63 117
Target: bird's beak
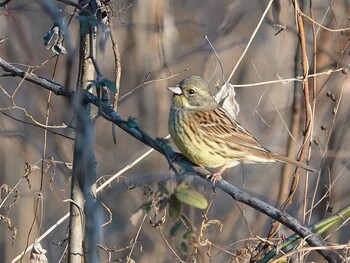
pixel 176 90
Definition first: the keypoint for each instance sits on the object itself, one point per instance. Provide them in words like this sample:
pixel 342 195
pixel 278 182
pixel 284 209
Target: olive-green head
pixel 193 93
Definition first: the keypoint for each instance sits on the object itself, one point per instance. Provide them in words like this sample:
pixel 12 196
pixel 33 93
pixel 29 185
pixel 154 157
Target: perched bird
pixel 207 135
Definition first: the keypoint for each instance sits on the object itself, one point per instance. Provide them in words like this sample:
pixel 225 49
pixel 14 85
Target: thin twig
pixel 314 90
pixel 117 64
pixel 322 26
pixel 128 257
pixel 250 40
pixel 169 246
pixel 308 249
pixel 288 80
pixel 122 98
pixel 38 126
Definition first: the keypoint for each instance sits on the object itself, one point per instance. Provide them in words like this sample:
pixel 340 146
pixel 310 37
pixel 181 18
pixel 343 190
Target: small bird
pixel 208 136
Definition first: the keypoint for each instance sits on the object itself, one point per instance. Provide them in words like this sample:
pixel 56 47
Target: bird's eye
pixel 191 91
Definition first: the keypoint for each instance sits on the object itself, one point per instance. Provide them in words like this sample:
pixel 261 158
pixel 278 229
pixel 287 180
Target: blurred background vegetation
pixel 164 41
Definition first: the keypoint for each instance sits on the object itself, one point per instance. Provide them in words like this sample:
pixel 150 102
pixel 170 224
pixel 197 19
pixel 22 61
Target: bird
pixel 208 136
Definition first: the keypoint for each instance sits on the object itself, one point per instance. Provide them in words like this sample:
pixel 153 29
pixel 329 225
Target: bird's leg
pixel 217 175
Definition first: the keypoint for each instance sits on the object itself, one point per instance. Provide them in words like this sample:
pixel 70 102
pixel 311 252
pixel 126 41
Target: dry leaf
pixel 226 97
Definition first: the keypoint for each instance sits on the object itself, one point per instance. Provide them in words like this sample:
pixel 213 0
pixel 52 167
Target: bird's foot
pixel 213 177
pixel 217 175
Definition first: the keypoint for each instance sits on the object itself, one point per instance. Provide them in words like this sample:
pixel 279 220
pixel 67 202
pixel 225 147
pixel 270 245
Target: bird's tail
pixel 284 159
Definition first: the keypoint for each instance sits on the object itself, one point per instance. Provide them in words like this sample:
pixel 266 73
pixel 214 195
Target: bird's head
pixel 193 93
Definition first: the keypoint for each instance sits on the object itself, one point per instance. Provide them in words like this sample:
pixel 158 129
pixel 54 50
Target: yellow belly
pixel 195 148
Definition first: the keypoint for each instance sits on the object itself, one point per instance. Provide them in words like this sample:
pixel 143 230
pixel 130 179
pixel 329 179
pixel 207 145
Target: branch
pixel 310 237
pixel 42 82
pixel 5 2
pixel 109 114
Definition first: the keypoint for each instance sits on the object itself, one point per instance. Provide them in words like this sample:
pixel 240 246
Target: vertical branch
pixel 305 68
pixel 308 117
pixel 314 92
pixel 300 57
pixel 83 232
pixel 294 130
pixel 117 64
pixel 331 256
pixel 304 150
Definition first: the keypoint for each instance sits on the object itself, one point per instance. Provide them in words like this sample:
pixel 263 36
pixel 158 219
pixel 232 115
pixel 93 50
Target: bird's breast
pixel 184 128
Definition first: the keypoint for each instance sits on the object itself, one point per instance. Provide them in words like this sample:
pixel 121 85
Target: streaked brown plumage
pixel 207 135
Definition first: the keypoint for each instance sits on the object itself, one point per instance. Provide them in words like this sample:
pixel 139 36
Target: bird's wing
pixel 219 125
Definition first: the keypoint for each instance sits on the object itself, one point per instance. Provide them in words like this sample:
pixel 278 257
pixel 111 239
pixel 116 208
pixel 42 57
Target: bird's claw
pixel 213 177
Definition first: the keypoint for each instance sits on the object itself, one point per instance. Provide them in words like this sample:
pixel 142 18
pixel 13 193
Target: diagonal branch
pixel 56 88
